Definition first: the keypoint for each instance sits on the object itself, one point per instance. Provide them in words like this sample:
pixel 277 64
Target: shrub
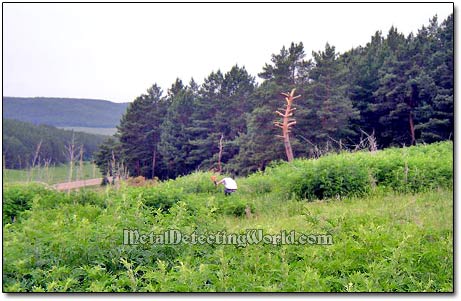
pixel 257 183
pixel 332 176
pixel 411 169
pixel 85 197
pixel 235 206
pixel 159 197
pixel 197 182
pixel 18 198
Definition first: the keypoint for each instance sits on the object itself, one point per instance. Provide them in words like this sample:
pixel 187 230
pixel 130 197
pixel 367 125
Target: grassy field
pixel 382 243
pixel 51 175
pixel 391 233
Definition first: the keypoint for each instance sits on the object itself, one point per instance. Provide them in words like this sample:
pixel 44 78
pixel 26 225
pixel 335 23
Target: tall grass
pixel 50 175
pixel 410 169
pixel 390 215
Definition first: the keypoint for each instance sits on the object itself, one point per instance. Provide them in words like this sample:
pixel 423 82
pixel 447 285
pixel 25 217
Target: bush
pixel 162 197
pixel 257 183
pixel 85 197
pixel 235 206
pixel 18 197
pixel 333 176
pixel 411 169
pixel 197 182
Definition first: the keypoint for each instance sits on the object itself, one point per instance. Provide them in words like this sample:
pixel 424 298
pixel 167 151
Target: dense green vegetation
pixel 52 174
pixel 390 214
pixel 21 141
pixel 64 112
pixel 396 88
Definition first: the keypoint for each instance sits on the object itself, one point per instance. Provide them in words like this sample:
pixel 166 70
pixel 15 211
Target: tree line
pixel 396 89
pixel 26 145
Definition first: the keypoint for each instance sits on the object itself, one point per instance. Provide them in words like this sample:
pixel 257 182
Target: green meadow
pixel 389 215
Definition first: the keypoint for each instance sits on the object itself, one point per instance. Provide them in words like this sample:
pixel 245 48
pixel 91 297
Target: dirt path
pixel 78 184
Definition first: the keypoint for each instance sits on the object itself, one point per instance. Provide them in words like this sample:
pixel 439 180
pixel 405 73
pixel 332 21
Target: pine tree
pixel 202 128
pixel 434 46
pixel 289 67
pixel 414 101
pixel 108 150
pixel 220 111
pixel 259 145
pixel 395 101
pixel 139 134
pixel 175 133
pixel 364 65
pixel 236 101
pixel 330 107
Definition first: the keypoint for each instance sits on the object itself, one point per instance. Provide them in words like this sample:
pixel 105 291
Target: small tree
pixel 70 154
pixel 80 167
pixel 220 146
pixel 287 122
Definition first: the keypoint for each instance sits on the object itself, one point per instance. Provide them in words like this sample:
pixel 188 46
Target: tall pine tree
pixel 139 134
pixel 329 104
pixel 260 144
pixel 175 134
pixel 435 81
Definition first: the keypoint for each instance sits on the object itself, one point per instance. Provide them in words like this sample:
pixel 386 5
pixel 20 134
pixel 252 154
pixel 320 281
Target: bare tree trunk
pixel 81 163
pixel 37 151
pixel 326 106
pixel 288 149
pixel 125 173
pixel 34 160
pixel 47 163
pixel 412 129
pixel 70 148
pixel 287 122
pixel 154 159
pixel 372 143
pixel 94 169
pixel 4 167
pixel 113 167
pixel 220 153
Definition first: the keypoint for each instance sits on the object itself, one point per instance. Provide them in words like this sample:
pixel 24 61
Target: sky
pixel 117 51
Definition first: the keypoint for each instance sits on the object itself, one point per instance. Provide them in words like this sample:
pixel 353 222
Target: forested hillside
pixel 397 89
pixel 25 144
pixel 64 112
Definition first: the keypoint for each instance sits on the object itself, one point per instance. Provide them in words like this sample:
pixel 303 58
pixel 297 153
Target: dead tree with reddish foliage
pixel 287 122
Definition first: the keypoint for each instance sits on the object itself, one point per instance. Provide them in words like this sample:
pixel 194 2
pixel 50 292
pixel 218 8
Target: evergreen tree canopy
pixel 139 133
pixel 399 88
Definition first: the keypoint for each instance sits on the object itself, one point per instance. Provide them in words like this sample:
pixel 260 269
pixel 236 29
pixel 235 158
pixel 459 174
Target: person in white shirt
pixel 230 185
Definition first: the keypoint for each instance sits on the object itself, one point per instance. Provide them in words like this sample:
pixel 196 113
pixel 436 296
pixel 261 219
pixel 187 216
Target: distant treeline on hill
pixel 64 112
pixel 21 141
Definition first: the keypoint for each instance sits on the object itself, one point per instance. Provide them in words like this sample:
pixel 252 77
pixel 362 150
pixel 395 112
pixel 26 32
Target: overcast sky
pixel 117 51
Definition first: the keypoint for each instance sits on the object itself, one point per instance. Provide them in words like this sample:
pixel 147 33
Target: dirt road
pixel 78 184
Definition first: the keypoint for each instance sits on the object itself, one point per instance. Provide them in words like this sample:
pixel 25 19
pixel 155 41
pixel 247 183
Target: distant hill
pixel 21 140
pixel 64 112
